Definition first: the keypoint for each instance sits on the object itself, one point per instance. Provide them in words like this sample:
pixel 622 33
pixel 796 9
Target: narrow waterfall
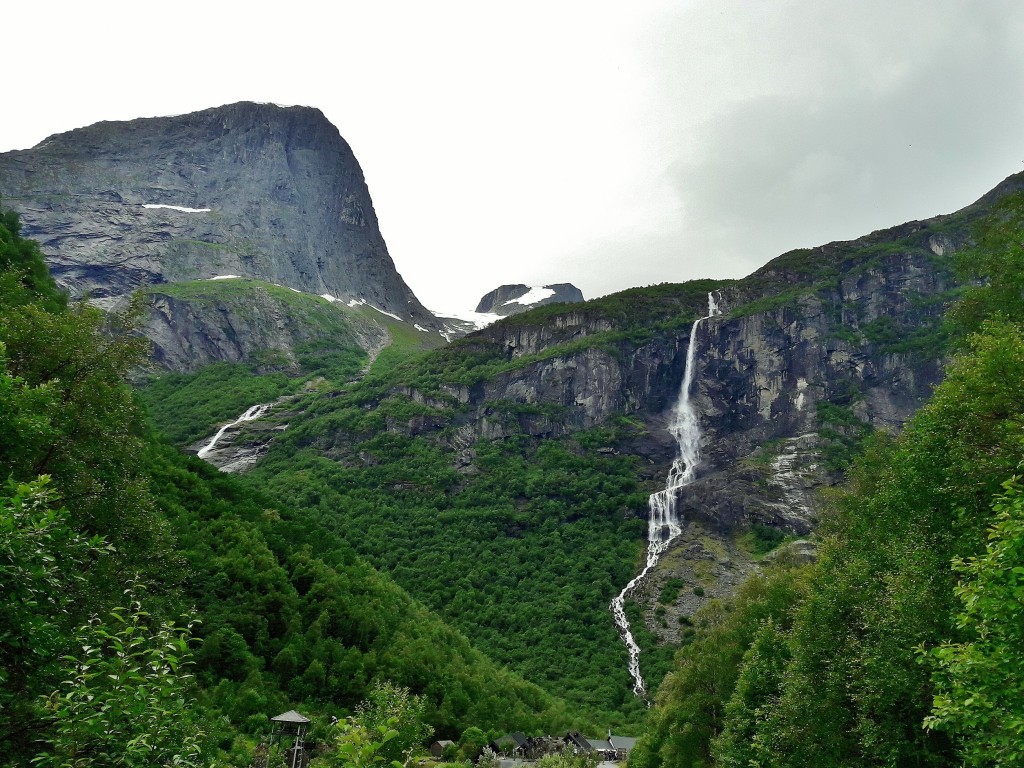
pixel 250 414
pixel 663 524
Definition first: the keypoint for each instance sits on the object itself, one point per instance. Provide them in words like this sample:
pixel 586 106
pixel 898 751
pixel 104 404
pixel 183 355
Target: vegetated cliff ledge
pixel 256 190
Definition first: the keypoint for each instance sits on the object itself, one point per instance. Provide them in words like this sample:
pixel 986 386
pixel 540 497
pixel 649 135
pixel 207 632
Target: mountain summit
pixel 253 190
pixel 513 299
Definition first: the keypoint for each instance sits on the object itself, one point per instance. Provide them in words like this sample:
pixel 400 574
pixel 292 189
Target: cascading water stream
pixel 251 414
pixel 663 524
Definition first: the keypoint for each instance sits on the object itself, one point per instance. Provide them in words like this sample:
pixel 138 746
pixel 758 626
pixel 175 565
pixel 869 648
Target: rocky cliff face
pixel 246 189
pixel 858 345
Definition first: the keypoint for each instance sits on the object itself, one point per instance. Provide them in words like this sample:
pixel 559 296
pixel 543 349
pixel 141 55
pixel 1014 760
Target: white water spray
pixel 663 524
pixel 251 414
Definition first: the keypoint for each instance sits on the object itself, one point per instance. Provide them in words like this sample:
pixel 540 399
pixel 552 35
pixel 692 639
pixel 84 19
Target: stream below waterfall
pixel 663 524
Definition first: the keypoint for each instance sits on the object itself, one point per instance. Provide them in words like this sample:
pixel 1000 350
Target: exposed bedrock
pixel 286 197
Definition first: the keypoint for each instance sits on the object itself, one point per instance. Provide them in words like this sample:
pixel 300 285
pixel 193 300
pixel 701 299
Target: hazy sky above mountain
pixel 607 144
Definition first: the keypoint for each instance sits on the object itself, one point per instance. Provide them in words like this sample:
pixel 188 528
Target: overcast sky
pixel 607 144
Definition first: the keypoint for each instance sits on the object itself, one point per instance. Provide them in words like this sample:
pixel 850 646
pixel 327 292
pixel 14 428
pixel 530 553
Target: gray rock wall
pixel 757 386
pixel 288 204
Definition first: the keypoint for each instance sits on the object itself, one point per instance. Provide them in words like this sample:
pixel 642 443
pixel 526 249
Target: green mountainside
pixel 518 518
pixel 456 520
pixel 289 615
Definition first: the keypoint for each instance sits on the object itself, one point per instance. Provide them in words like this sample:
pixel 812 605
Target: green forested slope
pixel 524 554
pixel 521 545
pixel 290 616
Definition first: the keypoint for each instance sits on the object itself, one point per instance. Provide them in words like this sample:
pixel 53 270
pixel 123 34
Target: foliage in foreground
pixel 76 519
pixel 125 700
pixel 688 711
pixel 980 679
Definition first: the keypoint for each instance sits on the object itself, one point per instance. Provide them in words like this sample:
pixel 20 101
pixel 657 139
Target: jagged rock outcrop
pixel 508 300
pixel 255 190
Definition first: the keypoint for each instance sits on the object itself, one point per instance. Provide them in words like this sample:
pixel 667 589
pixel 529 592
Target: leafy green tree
pixel 690 706
pixel 995 266
pixel 43 562
pixel 567 758
pixel 394 706
pixel 359 746
pixel 24 412
pixel 472 743
pixel 487 759
pixel 125 701
pixel 65 410
pixel 756 692
pixel 980 681
pixel 450 753
pixel 23 274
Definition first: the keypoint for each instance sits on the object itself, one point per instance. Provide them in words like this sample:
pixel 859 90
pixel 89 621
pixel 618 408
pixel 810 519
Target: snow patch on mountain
pixel 180 208
pixel 477 319
pixel 364 303
pixel 535 294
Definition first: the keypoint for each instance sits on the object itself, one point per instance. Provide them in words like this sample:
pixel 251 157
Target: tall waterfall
pixel 663 524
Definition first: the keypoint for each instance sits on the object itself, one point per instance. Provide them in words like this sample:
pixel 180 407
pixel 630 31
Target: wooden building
pixel 438 747
pixel 513 744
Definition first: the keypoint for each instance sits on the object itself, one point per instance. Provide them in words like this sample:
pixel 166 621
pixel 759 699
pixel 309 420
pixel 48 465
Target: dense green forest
pixel 901 645
pixel 152 601
pixel 521 543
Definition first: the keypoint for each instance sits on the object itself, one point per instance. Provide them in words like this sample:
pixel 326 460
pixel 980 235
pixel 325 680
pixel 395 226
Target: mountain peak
pixel 261 191
pixel 508 300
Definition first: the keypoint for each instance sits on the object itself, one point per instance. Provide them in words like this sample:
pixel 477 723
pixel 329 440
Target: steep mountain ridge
pixel 255 190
